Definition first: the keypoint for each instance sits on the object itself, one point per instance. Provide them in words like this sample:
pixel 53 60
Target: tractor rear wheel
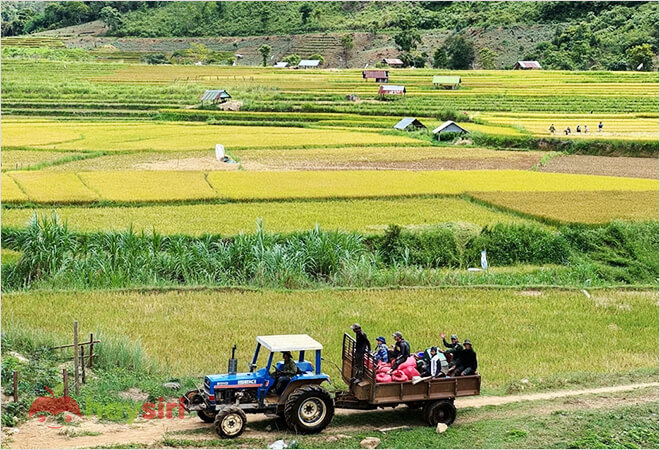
pixel 442 411
pixel 206 416
pixel 230 422
pixel 309 409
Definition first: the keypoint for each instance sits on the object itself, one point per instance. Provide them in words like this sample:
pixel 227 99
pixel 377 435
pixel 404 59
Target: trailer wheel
pixel 309 409
pixel 442 411
pixel 230 422
pixel 206 416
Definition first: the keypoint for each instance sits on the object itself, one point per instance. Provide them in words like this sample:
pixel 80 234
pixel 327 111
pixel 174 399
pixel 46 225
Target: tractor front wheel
pixel 206 416
pixel 230 422
pixel 309 409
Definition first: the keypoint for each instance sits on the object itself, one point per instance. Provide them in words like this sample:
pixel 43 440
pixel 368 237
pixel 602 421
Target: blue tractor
pixel 300 402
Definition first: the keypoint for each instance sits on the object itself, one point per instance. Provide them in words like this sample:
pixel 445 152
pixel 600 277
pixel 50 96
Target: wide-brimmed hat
pixel 381 339
pixel 467 342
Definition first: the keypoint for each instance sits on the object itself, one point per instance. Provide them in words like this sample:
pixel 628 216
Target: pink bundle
pixel 410 372
pixel 383 378
pixel 399 375
pixel 410 362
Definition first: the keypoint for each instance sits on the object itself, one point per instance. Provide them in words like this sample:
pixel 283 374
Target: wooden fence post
pixel 15 380
pixel 76 361
pixel 65 380
pixel 91 350
pixel 82 363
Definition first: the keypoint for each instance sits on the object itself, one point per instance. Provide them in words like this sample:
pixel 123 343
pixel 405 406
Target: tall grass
pixel 54 257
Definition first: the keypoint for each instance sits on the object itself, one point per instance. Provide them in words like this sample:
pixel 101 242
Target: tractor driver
pixel 281 377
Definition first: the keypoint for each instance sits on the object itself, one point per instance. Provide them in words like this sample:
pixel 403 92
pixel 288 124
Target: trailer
pixel 435 397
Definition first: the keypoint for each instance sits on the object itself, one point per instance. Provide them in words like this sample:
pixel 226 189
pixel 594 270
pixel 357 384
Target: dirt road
pixel 91 433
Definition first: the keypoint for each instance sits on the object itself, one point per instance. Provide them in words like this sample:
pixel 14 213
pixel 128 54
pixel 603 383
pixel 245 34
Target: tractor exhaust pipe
pixel 232 366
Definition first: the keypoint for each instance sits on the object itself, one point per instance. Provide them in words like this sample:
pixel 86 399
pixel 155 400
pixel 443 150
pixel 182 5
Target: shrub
pixel 509 244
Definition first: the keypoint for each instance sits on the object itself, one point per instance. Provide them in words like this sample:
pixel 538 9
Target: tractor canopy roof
pixel 289 342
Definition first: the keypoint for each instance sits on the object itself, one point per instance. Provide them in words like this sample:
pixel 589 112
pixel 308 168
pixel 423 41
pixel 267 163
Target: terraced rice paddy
pixel 179 136
pixel 371 216
pixel 612 330
pixel 146 186
pixel 615 126
pixel 579 207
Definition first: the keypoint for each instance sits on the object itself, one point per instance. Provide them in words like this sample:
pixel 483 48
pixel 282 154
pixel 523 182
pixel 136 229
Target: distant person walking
pixel 567 131
pixel 586 128
pixel 577 129
pixel 552 128
pixel 600 126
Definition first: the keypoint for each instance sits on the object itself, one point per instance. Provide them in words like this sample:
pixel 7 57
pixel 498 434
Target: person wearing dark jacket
pixel 362 346
pixel 454 348
pixel 400 351
pixel 467 360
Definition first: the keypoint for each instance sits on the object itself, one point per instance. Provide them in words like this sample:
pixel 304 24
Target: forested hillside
pixel 583 35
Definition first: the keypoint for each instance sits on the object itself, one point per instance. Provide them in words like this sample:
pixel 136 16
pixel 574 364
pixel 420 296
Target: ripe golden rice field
pixel 612 330
pixel 623 126
pixel 370 216
pixel 581 207
pixel 176 136
pixel 147 186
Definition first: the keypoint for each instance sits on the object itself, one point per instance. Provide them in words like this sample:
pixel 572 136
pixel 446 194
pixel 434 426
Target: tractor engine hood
pixel 233 381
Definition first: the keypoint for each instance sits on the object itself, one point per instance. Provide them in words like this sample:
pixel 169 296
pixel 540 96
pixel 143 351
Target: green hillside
pixel 561 35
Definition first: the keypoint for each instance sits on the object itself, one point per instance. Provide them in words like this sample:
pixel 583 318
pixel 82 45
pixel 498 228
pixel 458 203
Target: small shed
pixel 409 124
pixel 446 82
pixel 215 96
pixel 527 65
pixel 381 76
pixel 389 89
pixel 393 62
pixel 281 65
pixel 309 63
pixel 450 127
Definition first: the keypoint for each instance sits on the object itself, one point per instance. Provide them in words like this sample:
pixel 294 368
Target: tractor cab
pixel 255 391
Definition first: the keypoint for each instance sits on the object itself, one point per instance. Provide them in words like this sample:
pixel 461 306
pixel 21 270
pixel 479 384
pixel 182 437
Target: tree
pixel 440 60
pixel 317 56
pixel 293 60
pixel 487 58
pixel 460 50
pixel 305 10
pixel 407 40
pixel 265 53
pixel 419 61
pixel 111 17
pixel 640 55
pixel 347 45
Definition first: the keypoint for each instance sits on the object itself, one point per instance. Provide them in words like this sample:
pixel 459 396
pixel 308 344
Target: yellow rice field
pixel 232 218
pixel 145 186
pixel 582 207
pixel 173 136
pixel 53 187
pixel 615 126
pixel 10 191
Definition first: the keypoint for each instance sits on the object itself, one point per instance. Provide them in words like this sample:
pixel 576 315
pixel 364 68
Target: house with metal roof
pixel 450 127
pixel 409 124
pixel 446 82
pixel 309 63
pixel 215 96
pixel 281 64
pixel 389 89
pixel 381 76
pixel 527 65
pixel 393 62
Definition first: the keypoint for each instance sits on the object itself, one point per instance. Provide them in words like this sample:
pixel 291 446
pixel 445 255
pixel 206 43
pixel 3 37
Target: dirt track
pixel 34 434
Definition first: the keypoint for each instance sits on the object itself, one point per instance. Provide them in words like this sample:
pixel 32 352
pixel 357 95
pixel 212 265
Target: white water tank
pixel 219 152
